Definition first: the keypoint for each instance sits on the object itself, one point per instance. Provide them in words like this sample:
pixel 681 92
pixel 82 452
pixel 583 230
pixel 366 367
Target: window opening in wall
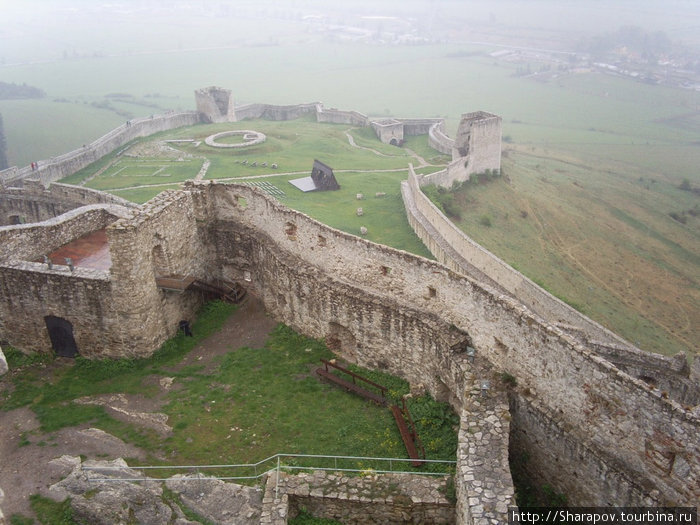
pixel 432 292
pixel 16 219
pixel 386 270
pixel 321 240
pixel 291 230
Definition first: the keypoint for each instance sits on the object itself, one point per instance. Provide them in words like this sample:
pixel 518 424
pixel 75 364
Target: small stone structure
pixel 355 500
pixel 250 138
pixel 389 131
pixel 215 104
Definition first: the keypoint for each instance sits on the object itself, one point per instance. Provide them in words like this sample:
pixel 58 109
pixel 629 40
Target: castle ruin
pixel 591 426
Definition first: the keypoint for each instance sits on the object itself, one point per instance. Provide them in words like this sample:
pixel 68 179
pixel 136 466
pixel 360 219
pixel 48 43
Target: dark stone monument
pixel 323 177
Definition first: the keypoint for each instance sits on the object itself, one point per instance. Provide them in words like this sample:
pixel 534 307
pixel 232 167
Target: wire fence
pixel 278 462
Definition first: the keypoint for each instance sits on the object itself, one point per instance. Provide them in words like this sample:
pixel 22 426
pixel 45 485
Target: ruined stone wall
pixel 81 297
pixel 418 126
pixel 389 131
pixel 454 248
pixel 387 498
pixel 32 202
pixel 31 241
pixel 215 104
pixel 337 116
pixel 539 445
pixel 163 236
pixel 438 140
pixel 378 313
pixel 56 168
pixel 274 112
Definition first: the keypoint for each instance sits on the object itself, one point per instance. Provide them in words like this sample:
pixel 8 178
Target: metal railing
pixel 294 462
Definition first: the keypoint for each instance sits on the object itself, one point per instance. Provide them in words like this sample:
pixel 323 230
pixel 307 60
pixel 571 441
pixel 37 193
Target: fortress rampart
pixel 34 202
pixel 274 112
pixel 438 140
pixel 628 427
pixel 592 430
pixel 338 116
pixel 58 167
pixel 453 247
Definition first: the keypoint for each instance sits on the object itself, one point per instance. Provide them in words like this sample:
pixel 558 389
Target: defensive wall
pixel 593 431
pixel 454 248
pixel 64 165
pixel 339 116
pixel 274 112
pixel 34 202
pixel 363 298
pixel 438 140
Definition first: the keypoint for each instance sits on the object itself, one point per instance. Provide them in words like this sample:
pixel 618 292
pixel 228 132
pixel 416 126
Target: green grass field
pixel 606 244
pixel 251 404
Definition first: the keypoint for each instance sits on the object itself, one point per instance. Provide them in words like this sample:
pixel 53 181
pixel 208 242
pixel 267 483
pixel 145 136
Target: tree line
pixel 15 91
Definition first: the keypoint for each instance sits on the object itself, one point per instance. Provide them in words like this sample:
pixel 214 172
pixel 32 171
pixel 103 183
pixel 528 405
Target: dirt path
pixel 26 452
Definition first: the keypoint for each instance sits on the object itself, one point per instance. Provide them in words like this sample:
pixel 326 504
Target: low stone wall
pixel 31 241
pixel 274 112
pixel 386 498
pixel 419 126
pixel 33 202
pixel 337 116
pixel 485 487
pixel 59 167
pixel 81 296
pixel 438 140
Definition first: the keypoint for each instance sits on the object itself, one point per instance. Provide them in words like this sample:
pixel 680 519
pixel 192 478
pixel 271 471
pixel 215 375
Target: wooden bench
pixel 351 387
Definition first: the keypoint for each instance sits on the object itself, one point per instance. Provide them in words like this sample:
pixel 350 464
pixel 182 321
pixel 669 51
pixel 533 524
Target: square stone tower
pixel 478 142
pixel 215 104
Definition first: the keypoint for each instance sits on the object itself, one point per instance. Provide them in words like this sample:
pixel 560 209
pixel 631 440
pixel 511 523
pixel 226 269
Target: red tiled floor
pixel 89 251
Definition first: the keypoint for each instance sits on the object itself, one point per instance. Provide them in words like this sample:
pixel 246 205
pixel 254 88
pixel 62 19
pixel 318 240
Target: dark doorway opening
pixel 61 335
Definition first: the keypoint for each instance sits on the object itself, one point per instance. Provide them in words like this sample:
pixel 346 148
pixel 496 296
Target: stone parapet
pixel 374 498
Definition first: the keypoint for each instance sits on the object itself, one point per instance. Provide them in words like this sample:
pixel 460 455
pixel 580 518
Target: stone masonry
pixel 356 500
pixel 596 432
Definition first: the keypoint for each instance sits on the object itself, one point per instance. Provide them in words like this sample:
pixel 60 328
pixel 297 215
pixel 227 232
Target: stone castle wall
pixel 454 248
pixel 274 112
pixel 162 237
pixel 58 167
pixel 338 116
pixel 418 126
pixel 367 307
pixel 438 140
pixel 26 242
pixel 35 203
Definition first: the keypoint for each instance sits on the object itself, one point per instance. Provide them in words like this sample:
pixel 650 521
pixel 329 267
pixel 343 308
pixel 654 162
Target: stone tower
pixel 478 141
pixel 215 104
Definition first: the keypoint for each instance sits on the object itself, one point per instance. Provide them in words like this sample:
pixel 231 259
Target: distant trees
pixel 15 91
pixel 3 147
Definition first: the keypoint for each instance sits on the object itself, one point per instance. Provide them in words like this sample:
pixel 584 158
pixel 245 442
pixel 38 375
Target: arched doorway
pixel 61 335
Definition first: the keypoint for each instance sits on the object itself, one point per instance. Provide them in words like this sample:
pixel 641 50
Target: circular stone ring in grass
pixel 249 138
